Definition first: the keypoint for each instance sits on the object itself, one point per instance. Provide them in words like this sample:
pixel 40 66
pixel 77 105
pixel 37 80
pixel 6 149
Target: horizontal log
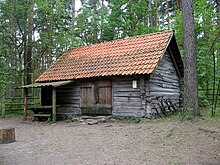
pixel 21 98
pixel 115 86
pixel 126 108
pixel 155 80
pixel 126 90
pixel 6 104
pixel 126 94
pixel 42 115
pixel 167 77
pixel 127 104
pixel 164 80
pixel 70 105
pixel 166 86
pixel 153 93
pixel 124 99
pixel 163 90
pixel 131 114
pixel 15 109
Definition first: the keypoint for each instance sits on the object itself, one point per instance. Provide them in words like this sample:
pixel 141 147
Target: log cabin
pixel 114 78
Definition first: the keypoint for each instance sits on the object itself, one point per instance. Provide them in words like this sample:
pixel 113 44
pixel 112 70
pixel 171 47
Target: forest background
pixel 34 33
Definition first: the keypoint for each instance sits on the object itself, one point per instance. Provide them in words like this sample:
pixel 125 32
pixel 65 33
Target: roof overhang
pixel 46 84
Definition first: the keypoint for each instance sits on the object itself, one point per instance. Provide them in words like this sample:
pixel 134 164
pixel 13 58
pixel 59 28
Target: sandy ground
pixel 156 142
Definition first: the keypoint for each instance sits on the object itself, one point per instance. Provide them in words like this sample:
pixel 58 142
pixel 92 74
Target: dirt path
pixel 155 142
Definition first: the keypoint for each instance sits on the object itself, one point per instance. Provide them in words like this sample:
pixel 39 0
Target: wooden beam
pixel 142 94
pixel 25 103
pixel 174 62
pixel 54 105
pixel 3 106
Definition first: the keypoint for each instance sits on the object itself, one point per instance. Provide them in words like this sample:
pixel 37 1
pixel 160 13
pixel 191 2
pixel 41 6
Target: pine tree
pixel 190 100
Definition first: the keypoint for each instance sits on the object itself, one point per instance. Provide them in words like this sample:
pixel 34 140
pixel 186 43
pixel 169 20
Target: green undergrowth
pixel 205 114
pixel 131 120
pixel 14 113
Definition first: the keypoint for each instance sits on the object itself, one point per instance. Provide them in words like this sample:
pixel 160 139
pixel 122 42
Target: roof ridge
pixel 121 39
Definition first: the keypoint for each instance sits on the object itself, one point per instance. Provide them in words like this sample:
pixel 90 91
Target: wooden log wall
pixel 126 99
pixel 165 81
pixel 68 97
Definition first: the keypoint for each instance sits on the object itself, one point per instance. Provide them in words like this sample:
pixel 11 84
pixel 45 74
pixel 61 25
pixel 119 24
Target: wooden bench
pixel 41 116
pixel 41 112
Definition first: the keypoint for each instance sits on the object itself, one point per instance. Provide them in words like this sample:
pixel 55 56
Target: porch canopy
pixel 46 84
pixel 54 85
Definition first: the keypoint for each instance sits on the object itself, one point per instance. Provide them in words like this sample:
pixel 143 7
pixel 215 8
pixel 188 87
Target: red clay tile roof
pixel 133 55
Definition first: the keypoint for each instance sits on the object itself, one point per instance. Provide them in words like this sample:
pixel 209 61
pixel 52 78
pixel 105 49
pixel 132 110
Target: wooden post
pixel 25 103
pixel 54 104
pixel 3 106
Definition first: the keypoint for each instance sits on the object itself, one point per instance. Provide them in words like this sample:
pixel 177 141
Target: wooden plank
pixel 126 94
pixel 128 104
pixel 124 86
pixel 7 104
pixel 54 104
pixel 127 108
pixel 126 99
pixel 3 106
pixel 165 85
pixel 122 89
pixel 172 85
pixel 70 105
pixel 87 96
pixel 21 98
pixel 131 114
pixel 42 115
pixel 161 89
pixel 15 109
pixel 25 103
pixel 164 80
pixel 43 107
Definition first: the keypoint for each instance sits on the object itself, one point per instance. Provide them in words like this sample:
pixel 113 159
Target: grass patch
pixel 14 113
pixel 205 113
pixel 132 120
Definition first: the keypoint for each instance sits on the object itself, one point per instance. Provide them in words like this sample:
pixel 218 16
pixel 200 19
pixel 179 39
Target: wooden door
pixel 104 92
pixel 87 94
pixel 96 97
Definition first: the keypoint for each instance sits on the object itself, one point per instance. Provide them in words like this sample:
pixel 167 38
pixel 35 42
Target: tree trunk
pixel 73 12
pixel 168 14
pixel 11 53
pixel 156 19
pixel 190 99
pixel 151 22
pixel 29 42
